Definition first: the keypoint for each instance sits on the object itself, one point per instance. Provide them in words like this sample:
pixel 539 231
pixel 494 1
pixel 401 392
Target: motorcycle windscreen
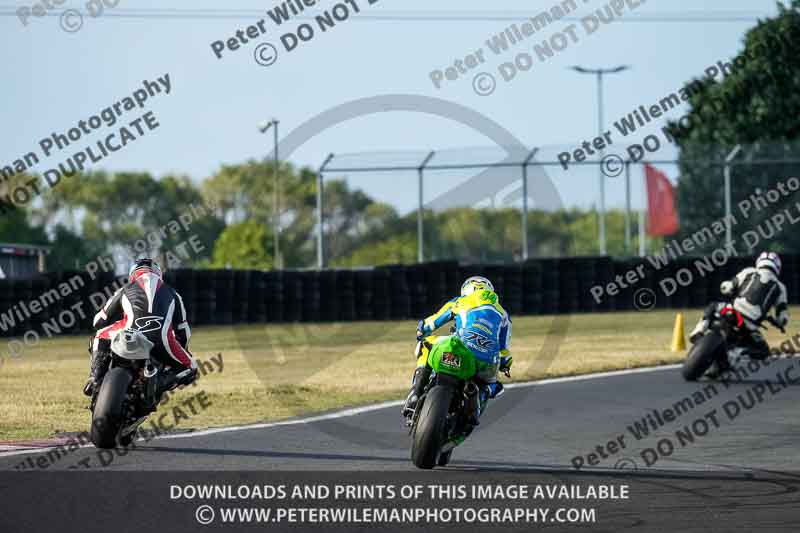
pixel 450 356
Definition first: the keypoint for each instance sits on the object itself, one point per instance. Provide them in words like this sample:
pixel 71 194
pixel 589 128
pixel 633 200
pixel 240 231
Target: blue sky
pixel 54 78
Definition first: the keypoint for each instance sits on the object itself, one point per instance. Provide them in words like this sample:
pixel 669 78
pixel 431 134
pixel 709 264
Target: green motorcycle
pixel 441 420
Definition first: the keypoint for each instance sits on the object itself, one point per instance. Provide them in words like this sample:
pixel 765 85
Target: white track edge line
pixel 361 410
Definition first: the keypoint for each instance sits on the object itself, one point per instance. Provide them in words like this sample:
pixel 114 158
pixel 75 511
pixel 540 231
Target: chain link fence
pixel 497 205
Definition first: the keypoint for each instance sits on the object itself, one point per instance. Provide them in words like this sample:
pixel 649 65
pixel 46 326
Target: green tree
pixel 70 251
pixel 15 227
pixel 245 245
pixel 246 192
pixel 493 236
pixel 758 106
pixel 400 249
pixel 108 210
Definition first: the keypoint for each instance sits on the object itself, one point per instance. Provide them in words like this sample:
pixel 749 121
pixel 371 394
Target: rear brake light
pixel 729 310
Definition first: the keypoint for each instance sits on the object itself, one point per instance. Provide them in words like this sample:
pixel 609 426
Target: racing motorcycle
pixel 721 340
pixel 130 391
pixel 441 420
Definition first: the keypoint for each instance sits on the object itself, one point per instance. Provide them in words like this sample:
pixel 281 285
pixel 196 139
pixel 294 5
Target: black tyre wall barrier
pixel 65 302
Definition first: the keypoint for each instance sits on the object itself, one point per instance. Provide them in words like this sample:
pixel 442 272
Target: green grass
pixel 276 372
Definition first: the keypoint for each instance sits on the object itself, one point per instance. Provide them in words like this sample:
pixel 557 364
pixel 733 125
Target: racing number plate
pixel 451 360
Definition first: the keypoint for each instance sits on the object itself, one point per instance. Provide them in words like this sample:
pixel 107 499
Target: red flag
pixel 661 216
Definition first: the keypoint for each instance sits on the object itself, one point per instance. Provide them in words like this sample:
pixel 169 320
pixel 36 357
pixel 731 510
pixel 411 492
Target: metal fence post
pixel 628 206
pixel 321 215
pixel 525 246
pixel 642 212
pixel 421 213
pixel 727 174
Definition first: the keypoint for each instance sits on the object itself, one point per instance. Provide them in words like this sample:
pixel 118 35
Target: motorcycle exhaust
pixel 131 428
pixel 448 447
pixel 150 370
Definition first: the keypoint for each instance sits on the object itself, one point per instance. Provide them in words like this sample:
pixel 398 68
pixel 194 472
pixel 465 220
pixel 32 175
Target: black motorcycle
pixel 726 332
pixel 130 391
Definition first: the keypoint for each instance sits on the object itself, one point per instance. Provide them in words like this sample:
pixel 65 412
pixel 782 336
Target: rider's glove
pixel 783 320
pixel 726 288
pixel 505 365
pixel 421 330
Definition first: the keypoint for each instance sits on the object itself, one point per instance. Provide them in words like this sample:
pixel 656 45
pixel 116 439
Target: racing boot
pixel 422 375
pixel 187 377
pixel 474 402
pixel 176 377
pixel 100 360
pixel 495 389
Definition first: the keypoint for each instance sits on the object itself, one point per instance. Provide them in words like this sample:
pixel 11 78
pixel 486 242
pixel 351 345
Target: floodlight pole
pixel 600 72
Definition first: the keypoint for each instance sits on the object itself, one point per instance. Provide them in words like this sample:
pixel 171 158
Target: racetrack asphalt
pixel 542 426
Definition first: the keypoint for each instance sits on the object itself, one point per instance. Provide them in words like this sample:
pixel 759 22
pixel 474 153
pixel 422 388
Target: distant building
pixel 21 260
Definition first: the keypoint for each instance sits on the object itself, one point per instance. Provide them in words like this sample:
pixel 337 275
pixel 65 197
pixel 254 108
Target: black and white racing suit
pixel 157 311
pixel 754 293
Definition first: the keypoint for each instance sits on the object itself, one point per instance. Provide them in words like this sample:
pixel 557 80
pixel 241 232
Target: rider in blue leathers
pixel 482 325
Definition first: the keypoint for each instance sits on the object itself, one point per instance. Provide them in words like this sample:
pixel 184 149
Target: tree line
pixel 95 213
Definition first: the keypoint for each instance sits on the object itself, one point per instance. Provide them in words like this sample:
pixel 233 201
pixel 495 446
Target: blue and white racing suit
pixel 482 325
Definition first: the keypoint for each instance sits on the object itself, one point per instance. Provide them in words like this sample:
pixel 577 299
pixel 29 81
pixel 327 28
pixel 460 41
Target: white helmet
pixel 769 260
pixel 476 283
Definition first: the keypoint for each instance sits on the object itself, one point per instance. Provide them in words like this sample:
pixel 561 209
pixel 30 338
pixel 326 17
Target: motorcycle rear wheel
pixel 430 431
pixel 107 414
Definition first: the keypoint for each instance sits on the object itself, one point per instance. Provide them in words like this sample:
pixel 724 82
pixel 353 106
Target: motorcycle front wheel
pixel 702 356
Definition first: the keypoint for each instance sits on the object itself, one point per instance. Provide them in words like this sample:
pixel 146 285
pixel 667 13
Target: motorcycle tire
pixel 702 356
pixel 107 414
pixel 429 432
